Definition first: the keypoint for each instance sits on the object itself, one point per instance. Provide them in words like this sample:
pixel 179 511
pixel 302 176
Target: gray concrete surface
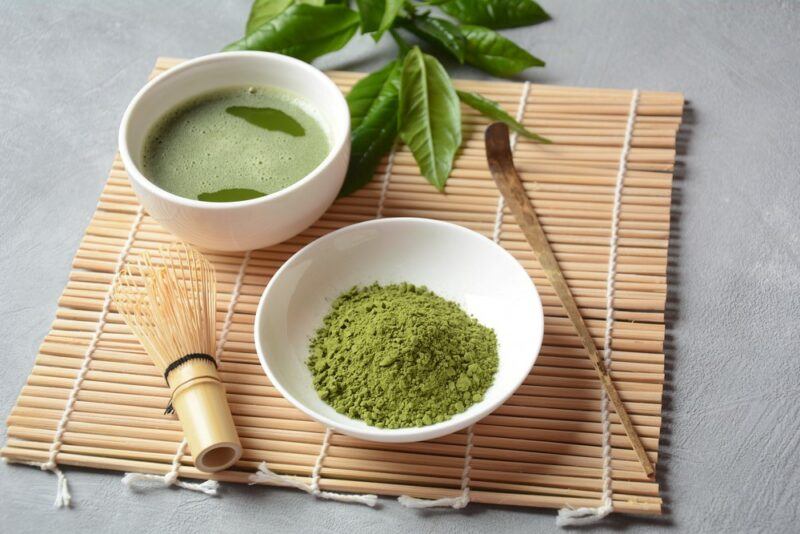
pixel 730 459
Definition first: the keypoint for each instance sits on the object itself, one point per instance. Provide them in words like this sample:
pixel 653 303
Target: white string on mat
pixel 265 475
pixel 387 176
pixel 459 501
pixel 587 515
pixel 501 203
pixel 209 487
pixel 63 496
pixel 145 480
pixel 462 499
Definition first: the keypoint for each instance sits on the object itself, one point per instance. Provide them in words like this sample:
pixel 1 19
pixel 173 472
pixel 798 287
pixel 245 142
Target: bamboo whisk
pixel 170 306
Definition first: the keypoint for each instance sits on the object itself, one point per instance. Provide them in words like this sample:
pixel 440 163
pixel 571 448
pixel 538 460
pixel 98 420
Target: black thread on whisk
pixel 180 361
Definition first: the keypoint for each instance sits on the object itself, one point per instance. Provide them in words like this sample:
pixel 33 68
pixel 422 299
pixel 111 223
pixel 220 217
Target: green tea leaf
pixel 264 10
pixel 490 51
pixel 492 109
pixel 268 119
pixel 303 31
pixel 378 15
pixel 371 12
pixel 230 195
pixel 496 13
pixel 373 107
pixel 440 32
pixel 429 116
pixel 402 45
pixel 362 96
pixel 389 14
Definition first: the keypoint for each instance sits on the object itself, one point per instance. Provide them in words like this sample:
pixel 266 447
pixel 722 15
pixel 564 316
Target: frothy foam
pixel 199 148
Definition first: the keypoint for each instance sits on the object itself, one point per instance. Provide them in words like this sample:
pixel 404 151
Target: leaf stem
pixel 402 45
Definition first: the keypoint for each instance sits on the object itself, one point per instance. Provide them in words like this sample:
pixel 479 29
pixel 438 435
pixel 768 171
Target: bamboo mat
pixel 543 448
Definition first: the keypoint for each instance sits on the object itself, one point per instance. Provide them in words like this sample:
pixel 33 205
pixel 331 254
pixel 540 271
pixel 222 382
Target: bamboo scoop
pixel 171 308
pixel 501 165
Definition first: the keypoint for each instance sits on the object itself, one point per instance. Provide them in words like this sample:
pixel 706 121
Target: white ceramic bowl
pixel 454 262
pixel 247 224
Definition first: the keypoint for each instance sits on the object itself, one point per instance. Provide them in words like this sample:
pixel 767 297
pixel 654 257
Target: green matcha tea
pixel 234 144
pixel 400 356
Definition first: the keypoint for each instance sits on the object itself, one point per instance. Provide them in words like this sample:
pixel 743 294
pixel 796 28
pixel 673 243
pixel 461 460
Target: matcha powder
pixel 401 356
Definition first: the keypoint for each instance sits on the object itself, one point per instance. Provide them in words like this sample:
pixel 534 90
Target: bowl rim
pixel 396 435
pixel 314 74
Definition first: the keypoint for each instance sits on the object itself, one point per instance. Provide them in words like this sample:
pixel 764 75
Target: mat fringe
pixel 266 475
pixel 143 481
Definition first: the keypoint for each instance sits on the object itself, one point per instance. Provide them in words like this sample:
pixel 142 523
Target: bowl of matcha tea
pixel 237 150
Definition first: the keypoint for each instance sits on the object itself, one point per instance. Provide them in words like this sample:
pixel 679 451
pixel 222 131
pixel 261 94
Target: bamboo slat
pixel 543 448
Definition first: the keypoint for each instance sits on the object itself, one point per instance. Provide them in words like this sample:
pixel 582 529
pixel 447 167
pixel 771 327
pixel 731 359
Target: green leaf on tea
pixel 493 53
pixel 268 119
pixel 230 195
pixel 429 116
pixel 303 31
pixel 492 109
pixel 440 32
pixel 373 105
pixel 496 13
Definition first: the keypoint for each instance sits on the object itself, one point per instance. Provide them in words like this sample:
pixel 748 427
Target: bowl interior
pixel 232 69
pixel 454 262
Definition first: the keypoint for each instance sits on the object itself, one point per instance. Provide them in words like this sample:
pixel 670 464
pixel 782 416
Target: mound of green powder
pixel 401 356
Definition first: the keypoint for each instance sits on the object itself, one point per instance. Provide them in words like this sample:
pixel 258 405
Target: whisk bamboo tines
pixel 169 303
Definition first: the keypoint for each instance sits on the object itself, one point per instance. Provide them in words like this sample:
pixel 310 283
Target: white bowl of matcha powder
pixel 399 330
